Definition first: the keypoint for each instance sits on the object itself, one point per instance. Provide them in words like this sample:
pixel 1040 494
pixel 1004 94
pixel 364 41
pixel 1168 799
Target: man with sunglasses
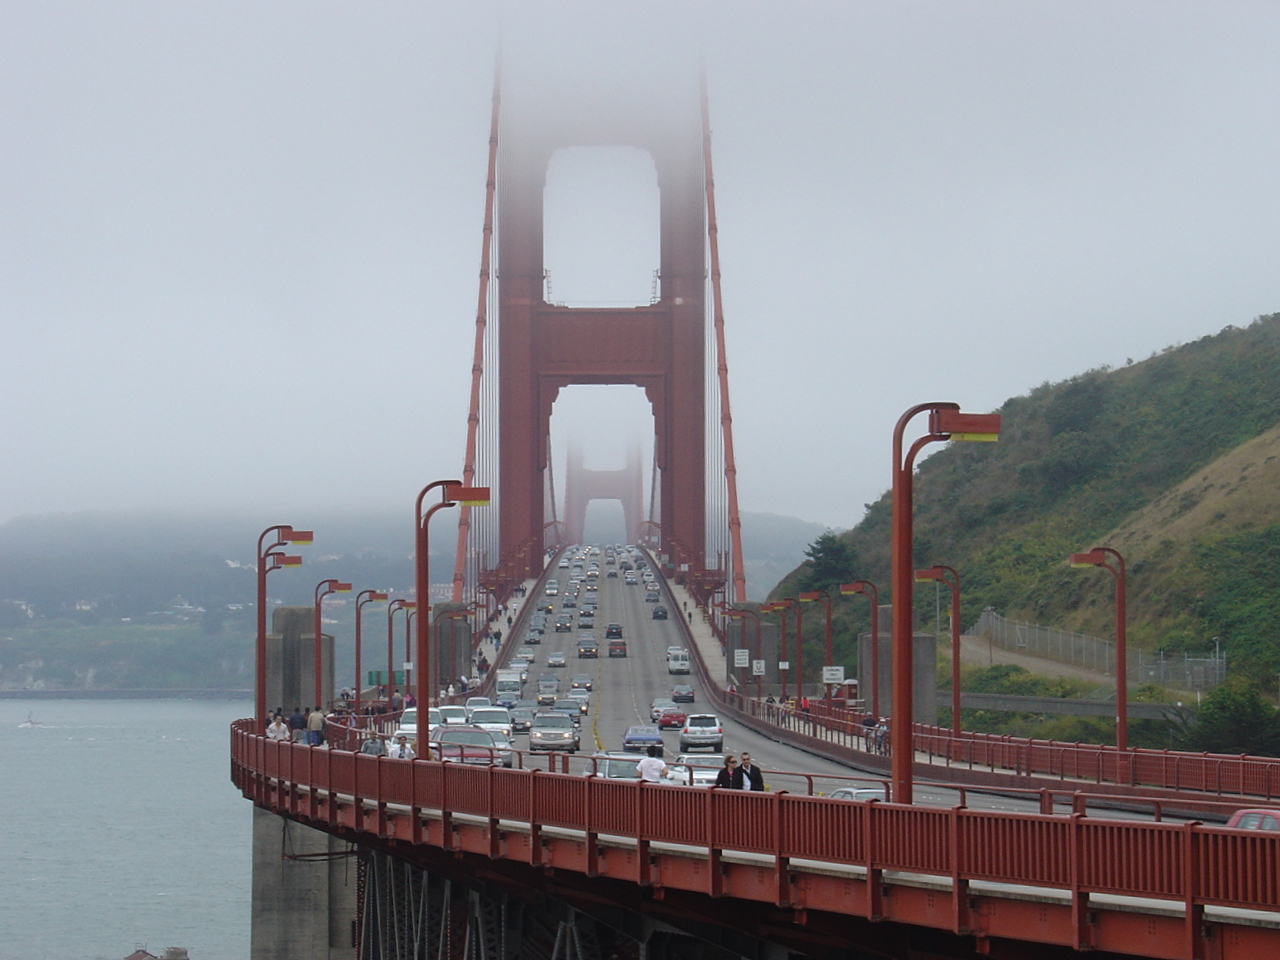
pixel 748 776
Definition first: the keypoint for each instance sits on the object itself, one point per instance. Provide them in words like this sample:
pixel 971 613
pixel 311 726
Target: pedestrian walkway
pixel 700 633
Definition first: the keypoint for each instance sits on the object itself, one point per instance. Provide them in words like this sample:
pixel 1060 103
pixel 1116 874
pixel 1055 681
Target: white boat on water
pixel 30 721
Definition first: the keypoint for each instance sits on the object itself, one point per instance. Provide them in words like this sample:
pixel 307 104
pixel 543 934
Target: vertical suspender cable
pixel 477 362
pixel 726 419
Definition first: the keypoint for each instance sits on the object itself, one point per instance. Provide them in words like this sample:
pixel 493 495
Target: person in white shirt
pixel 651 769
pixel 402 750
pixel 277 729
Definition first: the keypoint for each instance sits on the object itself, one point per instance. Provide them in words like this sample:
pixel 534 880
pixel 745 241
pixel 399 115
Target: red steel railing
pixel 1190 863
pixel 1220 774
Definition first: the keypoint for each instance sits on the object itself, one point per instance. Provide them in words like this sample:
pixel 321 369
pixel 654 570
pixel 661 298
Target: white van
pixel 678 661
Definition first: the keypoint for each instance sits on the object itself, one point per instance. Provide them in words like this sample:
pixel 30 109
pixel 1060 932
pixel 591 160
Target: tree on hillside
pixel 1235 718
pixel 831 562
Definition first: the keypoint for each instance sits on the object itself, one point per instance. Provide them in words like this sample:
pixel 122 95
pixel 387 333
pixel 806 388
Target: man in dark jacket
pixel 748 776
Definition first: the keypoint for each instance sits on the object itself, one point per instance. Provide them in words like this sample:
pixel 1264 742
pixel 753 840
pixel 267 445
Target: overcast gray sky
pixel 235 231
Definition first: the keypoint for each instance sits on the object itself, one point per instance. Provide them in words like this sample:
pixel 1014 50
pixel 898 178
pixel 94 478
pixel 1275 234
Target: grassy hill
pixel 1174 461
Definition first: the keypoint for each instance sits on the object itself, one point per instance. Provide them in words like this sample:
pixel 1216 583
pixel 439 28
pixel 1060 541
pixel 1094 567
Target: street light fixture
pixel 943 574
pixel 323 589
pixel 452 493
pixel 1098 557
pixel 269 558
pixel 825 597
pixel 794 604
pixel 735 612
pixel 362 598
pixel 946 422
pixel 868 589
pixel 781 607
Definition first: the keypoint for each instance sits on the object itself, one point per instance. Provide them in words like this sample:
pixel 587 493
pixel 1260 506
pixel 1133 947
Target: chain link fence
pixel 1197 672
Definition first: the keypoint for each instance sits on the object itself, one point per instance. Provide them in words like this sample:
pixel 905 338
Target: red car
pixel 671 718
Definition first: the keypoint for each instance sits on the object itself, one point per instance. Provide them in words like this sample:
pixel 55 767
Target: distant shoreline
pixel 152 694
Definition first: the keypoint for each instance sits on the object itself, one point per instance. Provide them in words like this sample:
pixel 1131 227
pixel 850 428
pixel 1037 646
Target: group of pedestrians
pixel 876 732
pixel 735 775
pixel 402 749
pixel 300 726
pixel 740 775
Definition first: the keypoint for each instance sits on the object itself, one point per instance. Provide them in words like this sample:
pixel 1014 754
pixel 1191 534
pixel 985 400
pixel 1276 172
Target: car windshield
pixel 703 722
pixel 453 711
pixel 409 718
pixel 489 716
pixel 559 720
pixel 617 768
pixel 478 738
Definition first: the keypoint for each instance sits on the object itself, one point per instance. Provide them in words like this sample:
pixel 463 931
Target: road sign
pixel 784 664
pixel 833 674
pixel 757 668
pixel 741 657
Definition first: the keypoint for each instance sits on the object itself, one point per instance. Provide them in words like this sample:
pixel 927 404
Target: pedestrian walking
pixel 315 727
pixel 651 769
pixel 402 750
pixel 724 778
pixel 748 775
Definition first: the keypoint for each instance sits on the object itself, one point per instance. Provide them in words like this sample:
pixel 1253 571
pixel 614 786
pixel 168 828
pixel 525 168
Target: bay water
pixel 119 827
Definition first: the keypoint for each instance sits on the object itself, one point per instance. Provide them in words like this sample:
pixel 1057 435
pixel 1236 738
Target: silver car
pixel 702 730
pixel 553 731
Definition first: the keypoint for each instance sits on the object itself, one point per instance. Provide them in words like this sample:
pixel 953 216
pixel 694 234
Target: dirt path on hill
pixel 981 652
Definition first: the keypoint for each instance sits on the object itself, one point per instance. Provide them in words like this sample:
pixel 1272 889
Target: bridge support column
pixel 303 881
pixel 925 684
pixel 304 893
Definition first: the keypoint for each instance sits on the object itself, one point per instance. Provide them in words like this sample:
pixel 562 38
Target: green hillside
pixel 1174 460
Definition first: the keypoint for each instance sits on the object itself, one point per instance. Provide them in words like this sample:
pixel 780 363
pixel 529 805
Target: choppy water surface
pixel 121 827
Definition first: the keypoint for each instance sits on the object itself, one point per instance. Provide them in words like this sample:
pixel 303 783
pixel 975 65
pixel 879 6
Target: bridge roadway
pixel 796 869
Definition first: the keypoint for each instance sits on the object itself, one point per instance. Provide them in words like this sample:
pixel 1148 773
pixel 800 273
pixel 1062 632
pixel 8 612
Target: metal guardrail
pixel 1185 672
pixel 1190 865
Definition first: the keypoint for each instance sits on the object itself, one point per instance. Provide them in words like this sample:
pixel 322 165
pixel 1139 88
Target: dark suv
pixel 613 631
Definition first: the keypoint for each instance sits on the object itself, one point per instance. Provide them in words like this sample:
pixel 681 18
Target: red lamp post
pixel 392 607
pixel 868 589
pixel 780 607
pixel 411 611
pixel 946 422
pixel 362 598
pixel 323 589
pixel 734 612
pixel 270 558
pixel 825 597
pixel 942 574
pixel 1097 557
pixel 452 493
pixel 794 604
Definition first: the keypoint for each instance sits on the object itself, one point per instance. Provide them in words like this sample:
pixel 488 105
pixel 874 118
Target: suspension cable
pixel 477 362
pixel 726 419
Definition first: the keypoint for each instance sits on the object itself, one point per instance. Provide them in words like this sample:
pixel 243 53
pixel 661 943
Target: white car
pixel 453 714
pixel 494 719
pixel 409 722
pixel 617 765
pixel 858 793
pixel 475 702
pixel 700 769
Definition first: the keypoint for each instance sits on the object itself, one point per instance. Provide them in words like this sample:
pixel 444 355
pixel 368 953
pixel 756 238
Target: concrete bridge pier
pixel 304 880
